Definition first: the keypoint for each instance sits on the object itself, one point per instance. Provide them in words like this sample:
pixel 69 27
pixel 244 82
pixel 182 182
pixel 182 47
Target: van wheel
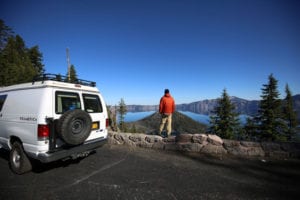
pixel 74 126
pixel 18 160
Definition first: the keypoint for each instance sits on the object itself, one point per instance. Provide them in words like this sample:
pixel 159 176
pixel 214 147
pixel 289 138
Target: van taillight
pixel 107 122
pixel 43 131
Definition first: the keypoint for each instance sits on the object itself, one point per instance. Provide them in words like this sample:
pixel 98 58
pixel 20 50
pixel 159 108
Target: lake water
pixel 134 116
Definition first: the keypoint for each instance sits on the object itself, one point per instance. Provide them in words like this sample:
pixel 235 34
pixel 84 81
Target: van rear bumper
pixel 71 152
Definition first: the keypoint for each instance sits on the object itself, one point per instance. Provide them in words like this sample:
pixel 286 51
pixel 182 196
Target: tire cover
pixel 74 126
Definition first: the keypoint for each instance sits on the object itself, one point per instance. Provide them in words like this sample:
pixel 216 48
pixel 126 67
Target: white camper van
pixel 50 119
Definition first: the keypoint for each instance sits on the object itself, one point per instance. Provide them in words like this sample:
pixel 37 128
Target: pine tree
pixel 72 77
pixel 73 74
pixel 36 58
pixel 250 129
pixel 289 115
pixel 225 121
pixel 133 129
pixel 271 124
pixel 18 64
pixel 5 33
pixel 59 77
pixel 122 110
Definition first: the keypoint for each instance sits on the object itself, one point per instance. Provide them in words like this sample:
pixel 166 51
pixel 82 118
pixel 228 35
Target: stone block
pixel 200 138
pixel 170 139
pixel 213 149
pixel 184 138
pixel 250 144
pixel 153 138
pixel 137 137
pixel 129 143
pixel 278 154
pixel 270 146
pixel 190 147
pixel 112 141
pixel 145 144
pixel 290 146
pixel 246 151
pixel 243 148
pixel 158 145
pixel 255 151
pixel 230 143
pixel 170 147
pixel 118 138
pixel 214 139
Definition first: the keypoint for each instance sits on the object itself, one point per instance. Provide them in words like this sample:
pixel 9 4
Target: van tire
pixel 18 160
pixel 74 126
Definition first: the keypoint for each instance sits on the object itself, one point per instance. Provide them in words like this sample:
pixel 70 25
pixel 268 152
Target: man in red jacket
pixel 166 109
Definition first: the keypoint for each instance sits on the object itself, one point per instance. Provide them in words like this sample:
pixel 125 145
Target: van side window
pixel 92 103
pixel 65 101
pixel 2 100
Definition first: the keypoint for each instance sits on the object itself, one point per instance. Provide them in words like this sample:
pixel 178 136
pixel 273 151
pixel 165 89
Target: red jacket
pixel 167 104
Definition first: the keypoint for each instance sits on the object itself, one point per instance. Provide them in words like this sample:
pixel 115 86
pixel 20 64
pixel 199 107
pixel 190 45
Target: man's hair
pixel 167 91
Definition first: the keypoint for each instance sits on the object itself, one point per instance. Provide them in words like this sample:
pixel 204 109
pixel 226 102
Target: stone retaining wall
pixel 208 144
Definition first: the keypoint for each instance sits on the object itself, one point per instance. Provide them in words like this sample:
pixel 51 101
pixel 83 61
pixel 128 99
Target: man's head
pixel 167 91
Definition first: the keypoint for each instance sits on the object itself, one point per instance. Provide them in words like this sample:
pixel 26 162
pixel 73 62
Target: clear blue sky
pixel 136 49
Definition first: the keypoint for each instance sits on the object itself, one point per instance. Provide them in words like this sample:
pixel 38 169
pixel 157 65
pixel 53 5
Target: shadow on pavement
pixel 272 170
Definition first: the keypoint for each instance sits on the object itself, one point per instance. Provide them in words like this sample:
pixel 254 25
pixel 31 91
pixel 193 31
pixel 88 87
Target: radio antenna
pixel 69 66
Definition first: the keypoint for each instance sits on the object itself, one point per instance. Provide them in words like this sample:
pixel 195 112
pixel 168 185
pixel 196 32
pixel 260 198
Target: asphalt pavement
pixel 118 172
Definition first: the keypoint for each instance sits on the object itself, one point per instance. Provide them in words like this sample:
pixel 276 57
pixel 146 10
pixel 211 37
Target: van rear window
pixel 92 103
pixel 65 101
pixel 2 100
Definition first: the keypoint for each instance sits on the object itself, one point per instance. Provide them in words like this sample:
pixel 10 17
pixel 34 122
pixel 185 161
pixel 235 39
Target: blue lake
pixel 134 116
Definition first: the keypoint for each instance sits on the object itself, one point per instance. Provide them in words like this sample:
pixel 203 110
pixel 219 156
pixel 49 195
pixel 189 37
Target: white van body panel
pixel 32 104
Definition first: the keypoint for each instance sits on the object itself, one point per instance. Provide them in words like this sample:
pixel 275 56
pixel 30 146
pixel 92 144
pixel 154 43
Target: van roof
pixel 53 80
pixel 49 83
pixel 60 78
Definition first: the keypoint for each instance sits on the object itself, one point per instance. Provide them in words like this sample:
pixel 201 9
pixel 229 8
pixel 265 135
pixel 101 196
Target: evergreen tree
pixel 36 58
pixel 289 115
pixel 133 129
pixel 250 129
pixel 225 121
pixel 271 125
pixel 5 34
pixel 122 110
pixel 59 77
pixel 18 64
pixel 73 75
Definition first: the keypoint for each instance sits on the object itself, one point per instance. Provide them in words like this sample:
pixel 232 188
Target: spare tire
pixel 74 126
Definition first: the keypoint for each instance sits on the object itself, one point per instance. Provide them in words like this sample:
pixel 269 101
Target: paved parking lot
pixel 117 172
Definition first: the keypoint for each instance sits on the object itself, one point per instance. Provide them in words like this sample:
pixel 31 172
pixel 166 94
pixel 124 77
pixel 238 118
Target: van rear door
pixel 94 105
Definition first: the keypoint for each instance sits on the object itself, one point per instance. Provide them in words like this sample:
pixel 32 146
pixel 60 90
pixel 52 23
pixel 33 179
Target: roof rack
pixel 60 78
